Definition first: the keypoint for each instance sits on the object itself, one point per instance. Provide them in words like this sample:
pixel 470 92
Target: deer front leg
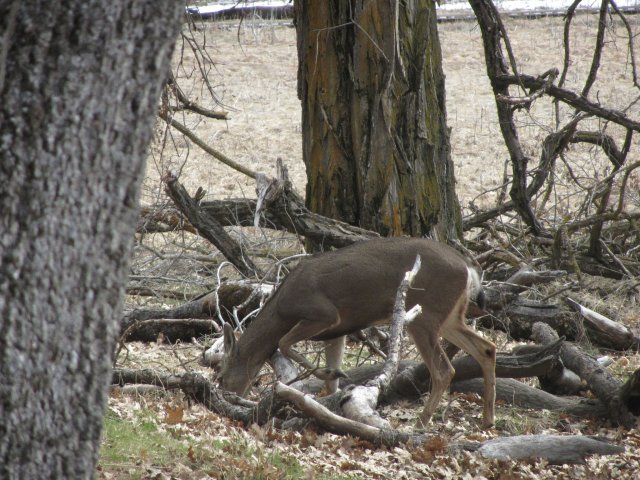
pixel 457 332
pixel 305 330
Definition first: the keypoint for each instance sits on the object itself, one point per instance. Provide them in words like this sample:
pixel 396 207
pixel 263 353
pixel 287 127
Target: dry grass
pixel 254 77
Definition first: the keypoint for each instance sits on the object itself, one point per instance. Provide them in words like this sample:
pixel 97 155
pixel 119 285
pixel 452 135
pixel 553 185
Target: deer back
pixel 359 283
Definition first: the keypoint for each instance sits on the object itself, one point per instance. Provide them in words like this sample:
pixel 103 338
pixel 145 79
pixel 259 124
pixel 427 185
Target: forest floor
pixel 161 435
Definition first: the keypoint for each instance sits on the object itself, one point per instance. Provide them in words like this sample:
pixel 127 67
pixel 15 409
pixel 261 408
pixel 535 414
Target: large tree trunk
pixel 79 83
pixel 375 140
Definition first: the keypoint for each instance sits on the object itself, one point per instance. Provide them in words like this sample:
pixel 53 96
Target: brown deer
pixel 333 294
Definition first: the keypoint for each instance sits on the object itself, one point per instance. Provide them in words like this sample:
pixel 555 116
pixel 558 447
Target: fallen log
pixel 516 316
pixel 213 305
pixel 603 385
pixel 559 380
pixel 556 449
pixel 201 390
pixel 630 393
pixel 514 392
pixel 414 380
pixel 193 385
pixel 284 209
pixel 604 331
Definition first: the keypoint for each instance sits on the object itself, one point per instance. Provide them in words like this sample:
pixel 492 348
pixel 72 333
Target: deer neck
pixel 260 340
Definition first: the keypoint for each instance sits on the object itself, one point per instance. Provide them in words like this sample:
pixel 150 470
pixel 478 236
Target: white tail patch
pixel 474 283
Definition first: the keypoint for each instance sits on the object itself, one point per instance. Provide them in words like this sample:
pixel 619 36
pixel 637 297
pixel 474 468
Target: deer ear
pixel 229 338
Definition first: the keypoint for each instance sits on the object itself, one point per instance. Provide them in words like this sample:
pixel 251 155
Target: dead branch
pixel 558 380
pixel 204 392
pixel 516 316
pixel 413 378
pixel 290 210
pixel 527 277
pixel 514 392
pixel 187 104
pixel 210 229
pixel 343 426
pixel 527 100
pixel 283 210
pixel 492 37
pixel 572 99
pixel 192 384
pixel 199 324
pixel 632 54
pixel 162 218
pixel 203 145
pixel 597 51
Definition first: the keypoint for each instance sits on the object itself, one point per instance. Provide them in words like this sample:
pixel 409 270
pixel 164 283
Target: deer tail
pixel 474 287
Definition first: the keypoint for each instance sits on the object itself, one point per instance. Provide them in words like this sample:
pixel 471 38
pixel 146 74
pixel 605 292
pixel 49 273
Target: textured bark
pixel 375 140
pixel 79 83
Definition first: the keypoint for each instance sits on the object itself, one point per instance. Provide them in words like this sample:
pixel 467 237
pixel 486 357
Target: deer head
pixel 236 371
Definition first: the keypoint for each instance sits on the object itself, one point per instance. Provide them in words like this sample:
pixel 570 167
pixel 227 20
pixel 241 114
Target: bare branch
pixel 214 153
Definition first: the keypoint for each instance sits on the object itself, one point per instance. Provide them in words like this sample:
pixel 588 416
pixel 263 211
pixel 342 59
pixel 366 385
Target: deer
pixel 332 294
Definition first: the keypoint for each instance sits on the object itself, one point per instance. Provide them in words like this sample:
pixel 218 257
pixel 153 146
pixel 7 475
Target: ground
pixel 160 435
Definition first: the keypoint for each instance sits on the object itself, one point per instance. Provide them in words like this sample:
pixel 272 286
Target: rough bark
pixel 79 83
pixel 375 140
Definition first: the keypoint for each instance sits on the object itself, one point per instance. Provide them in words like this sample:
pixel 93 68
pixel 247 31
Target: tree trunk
pixel 79 83
pixel 375 140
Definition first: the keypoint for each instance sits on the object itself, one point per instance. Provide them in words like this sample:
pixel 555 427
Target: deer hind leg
pixel 304 330
pixel 334 351
pixel 482 350
pixel 428 344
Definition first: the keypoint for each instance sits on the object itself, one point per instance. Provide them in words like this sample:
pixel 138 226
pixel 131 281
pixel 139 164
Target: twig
pixel 632 54
pixel 529 99
pixel 211 151
pixel 192 106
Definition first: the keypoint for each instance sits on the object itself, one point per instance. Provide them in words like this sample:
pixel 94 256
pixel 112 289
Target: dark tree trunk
pixel 79 83
pixel 375 140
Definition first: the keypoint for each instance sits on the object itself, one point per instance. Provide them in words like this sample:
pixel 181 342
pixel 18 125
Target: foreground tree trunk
pixel 375 140
pixel 79 82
